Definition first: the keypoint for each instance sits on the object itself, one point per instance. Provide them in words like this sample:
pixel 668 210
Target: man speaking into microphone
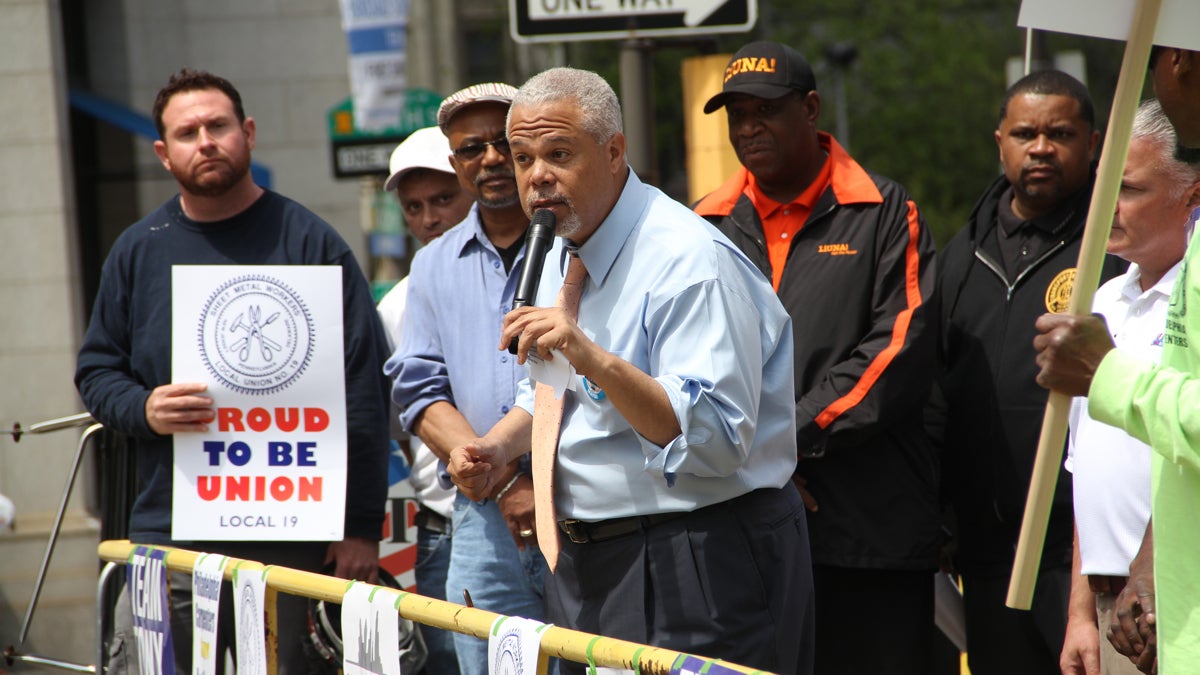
pixel 663 497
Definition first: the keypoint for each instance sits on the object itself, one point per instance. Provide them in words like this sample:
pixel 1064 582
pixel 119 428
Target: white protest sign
pixel 268 342
pixel 207 573
pixel 370 631
pixel 1178 20
pixel 249 593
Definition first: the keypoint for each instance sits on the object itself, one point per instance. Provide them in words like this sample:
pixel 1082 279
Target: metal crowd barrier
pixel 12 653
pixel 561 642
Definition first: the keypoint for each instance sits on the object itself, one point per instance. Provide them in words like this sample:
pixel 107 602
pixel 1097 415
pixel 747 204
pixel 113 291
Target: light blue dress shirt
pixel 458 294
pixel 670 294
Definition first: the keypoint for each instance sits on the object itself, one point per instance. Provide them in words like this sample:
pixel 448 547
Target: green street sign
pixel 365 153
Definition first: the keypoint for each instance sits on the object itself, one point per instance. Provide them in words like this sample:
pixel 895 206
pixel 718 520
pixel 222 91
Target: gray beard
pixel 570 225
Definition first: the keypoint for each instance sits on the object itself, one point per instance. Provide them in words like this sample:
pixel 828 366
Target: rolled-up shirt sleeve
pixel 418 366
pixel 707 354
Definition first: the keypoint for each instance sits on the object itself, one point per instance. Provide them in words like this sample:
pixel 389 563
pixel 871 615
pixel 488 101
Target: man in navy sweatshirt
pixel 221 217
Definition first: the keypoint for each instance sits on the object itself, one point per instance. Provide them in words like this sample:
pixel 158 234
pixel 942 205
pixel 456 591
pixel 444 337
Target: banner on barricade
pixel 249 596
pixel 146 575
pixel 370 631
pixel 207 574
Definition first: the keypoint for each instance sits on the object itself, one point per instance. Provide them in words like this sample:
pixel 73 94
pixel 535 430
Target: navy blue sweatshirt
pixel 127 350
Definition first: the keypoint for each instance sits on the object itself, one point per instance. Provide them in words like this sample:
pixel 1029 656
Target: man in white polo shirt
pixel 1111 469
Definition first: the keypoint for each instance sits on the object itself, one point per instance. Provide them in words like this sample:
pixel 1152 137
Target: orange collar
pixel 850 182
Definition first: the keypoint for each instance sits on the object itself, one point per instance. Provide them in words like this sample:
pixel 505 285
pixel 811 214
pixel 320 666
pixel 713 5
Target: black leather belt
pixel 431 520
pixel 582 532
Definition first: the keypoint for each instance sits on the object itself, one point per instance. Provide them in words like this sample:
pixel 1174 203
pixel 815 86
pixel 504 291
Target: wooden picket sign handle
pixel 1087 277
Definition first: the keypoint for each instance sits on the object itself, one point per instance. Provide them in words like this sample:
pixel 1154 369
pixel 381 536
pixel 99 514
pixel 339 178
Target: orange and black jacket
pixel 857 282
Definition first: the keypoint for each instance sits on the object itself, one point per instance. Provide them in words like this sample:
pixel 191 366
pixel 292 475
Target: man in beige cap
pixel 450 381
pixel 432 202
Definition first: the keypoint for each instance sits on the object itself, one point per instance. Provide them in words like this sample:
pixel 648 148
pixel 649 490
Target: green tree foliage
pixel 922 96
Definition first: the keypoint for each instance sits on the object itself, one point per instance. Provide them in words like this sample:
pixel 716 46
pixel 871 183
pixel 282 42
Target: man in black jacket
pixel 851 259
pixel 1014 261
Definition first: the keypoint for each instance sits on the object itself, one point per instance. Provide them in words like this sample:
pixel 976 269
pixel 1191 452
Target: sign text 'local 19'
pixel 559 20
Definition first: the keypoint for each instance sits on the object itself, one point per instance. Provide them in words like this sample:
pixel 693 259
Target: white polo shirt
pixel 1111 469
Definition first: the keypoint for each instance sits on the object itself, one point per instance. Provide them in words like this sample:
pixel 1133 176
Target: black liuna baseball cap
pixel 765 70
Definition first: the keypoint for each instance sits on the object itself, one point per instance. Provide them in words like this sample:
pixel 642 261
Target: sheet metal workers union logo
pixel 256 335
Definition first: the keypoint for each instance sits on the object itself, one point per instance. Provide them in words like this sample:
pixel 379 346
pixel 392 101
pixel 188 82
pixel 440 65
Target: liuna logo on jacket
pixel 836 249
pixel 1058 292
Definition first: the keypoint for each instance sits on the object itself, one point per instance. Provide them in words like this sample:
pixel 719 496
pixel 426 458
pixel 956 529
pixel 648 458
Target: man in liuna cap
pixel 851 258
pixel 450 381
pixel 432 201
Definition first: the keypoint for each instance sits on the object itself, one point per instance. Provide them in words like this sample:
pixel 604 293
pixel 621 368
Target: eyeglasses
pixel 469 152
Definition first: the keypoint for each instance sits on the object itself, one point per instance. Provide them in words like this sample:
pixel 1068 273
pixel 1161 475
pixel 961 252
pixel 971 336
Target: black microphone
pixel 537 245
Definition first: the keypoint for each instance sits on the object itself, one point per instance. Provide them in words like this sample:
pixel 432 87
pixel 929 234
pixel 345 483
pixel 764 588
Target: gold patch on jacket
pixel 836 249
pixel 1058 293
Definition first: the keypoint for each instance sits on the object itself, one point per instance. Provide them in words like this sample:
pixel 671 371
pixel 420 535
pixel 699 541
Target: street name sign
pixel 575 20
pixel 366 153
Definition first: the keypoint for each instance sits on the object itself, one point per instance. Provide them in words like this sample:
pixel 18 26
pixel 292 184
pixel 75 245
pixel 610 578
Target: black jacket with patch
pixel 994 405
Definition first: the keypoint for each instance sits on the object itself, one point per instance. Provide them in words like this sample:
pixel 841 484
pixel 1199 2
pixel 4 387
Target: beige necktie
pixel 547 421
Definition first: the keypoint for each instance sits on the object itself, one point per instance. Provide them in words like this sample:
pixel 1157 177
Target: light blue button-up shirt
pixel 670 294
pixel 458 294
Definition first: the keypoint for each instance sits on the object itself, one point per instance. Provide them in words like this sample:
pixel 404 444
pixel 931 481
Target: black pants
pixel 1002 640
pixel 874 622
pixel 731 581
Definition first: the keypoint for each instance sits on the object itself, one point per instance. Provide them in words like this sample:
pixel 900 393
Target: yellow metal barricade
pixel 560 642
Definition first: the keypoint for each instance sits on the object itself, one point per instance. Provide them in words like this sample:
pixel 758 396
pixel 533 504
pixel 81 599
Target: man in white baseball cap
pixel 421 176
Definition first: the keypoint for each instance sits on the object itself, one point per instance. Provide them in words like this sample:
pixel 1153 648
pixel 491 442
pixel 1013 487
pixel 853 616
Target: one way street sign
pixel 564 20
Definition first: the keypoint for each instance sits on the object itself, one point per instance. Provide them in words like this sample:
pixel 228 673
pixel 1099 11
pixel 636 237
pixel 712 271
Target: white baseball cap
pixel 424 148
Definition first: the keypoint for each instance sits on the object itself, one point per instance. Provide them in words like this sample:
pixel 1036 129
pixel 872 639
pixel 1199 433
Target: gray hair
pixel 1151 123
pixel 596 99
